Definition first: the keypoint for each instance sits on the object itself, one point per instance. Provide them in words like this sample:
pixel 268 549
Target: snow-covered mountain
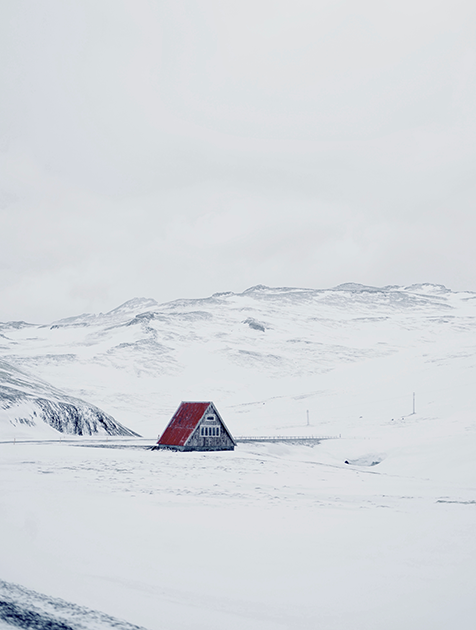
pixel 352 356
pixel 29 407
pixel 375 528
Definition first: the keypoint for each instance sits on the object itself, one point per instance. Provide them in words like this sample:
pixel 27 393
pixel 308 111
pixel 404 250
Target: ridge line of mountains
pixel 139 360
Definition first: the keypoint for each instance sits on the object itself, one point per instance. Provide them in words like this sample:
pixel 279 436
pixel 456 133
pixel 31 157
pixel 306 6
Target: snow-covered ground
pixel 269 536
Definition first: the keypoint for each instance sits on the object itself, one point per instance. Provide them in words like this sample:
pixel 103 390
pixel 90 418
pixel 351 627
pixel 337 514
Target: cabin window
pixel 210 431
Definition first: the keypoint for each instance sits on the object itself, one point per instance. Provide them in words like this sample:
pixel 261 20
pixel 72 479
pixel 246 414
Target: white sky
pixel 179 148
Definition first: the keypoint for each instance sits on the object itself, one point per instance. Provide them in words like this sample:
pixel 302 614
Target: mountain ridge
pixel 139 360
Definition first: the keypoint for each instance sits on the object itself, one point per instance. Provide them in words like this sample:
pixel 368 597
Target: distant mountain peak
pixel 256 288
pixel 140 303
pixel 357 288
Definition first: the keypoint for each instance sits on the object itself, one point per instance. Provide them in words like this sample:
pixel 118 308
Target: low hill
pixel 30 408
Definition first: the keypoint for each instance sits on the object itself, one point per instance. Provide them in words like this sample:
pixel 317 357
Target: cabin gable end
pixel 197 426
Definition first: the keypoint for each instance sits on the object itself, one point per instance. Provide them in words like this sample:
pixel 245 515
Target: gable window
pixel 210 431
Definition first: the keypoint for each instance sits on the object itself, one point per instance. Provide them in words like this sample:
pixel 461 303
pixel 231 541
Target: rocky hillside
pixel 30 407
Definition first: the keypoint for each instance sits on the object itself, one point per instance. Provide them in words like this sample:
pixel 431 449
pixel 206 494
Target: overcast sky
pixel 179 148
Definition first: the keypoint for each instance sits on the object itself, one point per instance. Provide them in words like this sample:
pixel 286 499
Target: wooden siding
pixel 198 442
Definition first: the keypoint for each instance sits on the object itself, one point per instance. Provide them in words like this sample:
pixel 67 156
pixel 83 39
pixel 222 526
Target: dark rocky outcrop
pixel 27 401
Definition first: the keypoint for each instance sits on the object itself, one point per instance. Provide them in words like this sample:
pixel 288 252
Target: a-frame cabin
pixel 196 426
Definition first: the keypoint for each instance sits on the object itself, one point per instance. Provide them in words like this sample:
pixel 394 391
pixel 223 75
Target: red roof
pixel 183 423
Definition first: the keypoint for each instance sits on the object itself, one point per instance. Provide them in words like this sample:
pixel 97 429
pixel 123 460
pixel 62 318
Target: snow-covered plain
pixel 271 535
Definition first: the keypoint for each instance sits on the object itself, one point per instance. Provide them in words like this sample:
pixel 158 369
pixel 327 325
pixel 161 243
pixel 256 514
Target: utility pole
pixel 307 414
pixel 413 404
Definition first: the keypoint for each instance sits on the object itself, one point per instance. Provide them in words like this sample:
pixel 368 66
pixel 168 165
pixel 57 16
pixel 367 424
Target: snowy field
pixel 264 537
pixel 270 536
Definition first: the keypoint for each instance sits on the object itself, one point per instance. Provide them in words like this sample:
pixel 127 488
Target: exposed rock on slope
pixel 28 405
